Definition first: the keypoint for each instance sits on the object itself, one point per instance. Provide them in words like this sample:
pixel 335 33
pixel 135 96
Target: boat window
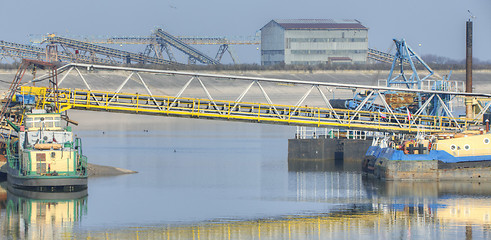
pixel 453 147
pixel 486 141
pixel 467 147
pixel 37 122
pixel 29 123
pixel 57 122
pixel 48 122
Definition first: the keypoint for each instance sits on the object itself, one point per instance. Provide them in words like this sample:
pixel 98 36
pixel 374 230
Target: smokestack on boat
pixel 468 69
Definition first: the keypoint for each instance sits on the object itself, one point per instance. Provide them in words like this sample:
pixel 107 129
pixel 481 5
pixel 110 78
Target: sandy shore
pixel 93 170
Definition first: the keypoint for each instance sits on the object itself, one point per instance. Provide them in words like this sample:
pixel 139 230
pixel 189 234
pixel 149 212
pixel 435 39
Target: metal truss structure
pixel 222 41
pixel 208 107
pixel 413 103
pixel 145 40
pixel 405 54
pixel 381 56
pixel 152 41
pixel 9 114
pixel 159 46
pixel 21 51
pixel 156 46
pixel 84 50
pixel 412 80
pixel 185 48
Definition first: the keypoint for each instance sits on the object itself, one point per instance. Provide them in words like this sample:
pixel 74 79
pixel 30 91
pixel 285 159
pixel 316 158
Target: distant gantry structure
pixel 157 46
pixel 91 50
pixel 21 51
pixel 63 49
pixel 165 38
pixel 159 49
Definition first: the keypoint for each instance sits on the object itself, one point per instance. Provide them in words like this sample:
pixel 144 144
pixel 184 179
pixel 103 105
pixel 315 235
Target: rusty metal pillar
pixel 51 53
pixel 468 69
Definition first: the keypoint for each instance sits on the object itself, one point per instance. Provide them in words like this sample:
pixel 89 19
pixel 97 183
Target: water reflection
pixel 324 166
pixel 363 208
pixel 442 209
pixel 334 187
pixel 38 215
pixel 356 207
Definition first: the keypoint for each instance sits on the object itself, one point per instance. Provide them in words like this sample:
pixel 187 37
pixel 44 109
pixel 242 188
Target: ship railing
pixel 81 160
pixel 82 167
pixel 12 160
pixel 430 84
pixel 316 133
pixel 357 134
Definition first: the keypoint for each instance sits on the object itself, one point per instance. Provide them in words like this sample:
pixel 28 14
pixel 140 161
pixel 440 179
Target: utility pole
pixel 468 68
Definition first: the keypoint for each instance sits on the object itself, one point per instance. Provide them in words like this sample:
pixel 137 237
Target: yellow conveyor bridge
pixel 238 110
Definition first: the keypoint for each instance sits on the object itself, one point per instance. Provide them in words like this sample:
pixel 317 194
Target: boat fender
pixel 47 146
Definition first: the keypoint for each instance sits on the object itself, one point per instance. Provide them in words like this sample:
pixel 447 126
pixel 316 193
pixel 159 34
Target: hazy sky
pixel 438 25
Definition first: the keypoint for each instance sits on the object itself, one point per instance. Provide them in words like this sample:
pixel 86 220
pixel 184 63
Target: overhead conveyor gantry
pixel 82 48
pixel 159 43
pixel 23 51
pixel 179 44
pixel 209 106
pixel 16 50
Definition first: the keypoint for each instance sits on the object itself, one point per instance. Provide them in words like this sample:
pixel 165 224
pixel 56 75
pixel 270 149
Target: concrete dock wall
pixel 326 154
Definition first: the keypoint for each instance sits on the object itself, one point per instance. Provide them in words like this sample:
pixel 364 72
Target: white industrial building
pixel 313 41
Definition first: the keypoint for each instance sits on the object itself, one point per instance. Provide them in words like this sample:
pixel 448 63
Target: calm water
pixel 219 180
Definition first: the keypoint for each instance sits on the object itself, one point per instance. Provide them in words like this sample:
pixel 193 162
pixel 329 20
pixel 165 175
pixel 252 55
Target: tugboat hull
pixel 62 195
pixel 389 166
pixel 47 183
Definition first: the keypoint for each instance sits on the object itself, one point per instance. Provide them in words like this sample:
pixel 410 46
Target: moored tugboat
pixel 460 156
pixel 45 156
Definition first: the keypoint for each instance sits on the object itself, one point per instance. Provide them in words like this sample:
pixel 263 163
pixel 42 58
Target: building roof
pixel 320 24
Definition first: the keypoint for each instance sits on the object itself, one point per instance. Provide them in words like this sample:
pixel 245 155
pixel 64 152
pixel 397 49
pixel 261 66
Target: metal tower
pixel 403 55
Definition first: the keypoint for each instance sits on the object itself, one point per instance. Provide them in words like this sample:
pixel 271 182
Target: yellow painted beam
pixel 250 112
